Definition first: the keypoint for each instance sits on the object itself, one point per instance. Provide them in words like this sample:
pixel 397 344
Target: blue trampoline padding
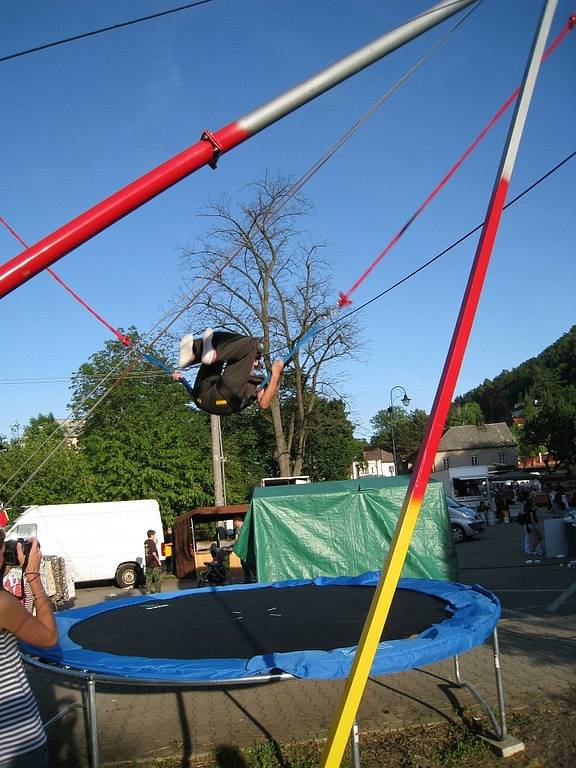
pixel 472 614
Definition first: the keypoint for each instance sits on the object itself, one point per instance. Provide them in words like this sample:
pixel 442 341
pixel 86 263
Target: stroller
pixel 216 572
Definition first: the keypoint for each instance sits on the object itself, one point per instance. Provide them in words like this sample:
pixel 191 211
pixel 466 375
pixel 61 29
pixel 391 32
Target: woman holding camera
pixel 22 737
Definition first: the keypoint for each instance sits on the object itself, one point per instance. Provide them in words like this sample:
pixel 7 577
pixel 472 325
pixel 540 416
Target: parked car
pixel 466 522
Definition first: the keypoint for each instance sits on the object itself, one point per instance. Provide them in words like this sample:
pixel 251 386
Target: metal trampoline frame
pixel 90 681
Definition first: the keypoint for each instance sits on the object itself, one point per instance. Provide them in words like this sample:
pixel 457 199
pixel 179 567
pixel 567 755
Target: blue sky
pixel 84 119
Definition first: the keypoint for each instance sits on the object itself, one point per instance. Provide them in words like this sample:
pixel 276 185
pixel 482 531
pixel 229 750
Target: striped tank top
pixel 21 728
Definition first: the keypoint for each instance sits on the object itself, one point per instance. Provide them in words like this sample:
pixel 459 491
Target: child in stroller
pixel 216 572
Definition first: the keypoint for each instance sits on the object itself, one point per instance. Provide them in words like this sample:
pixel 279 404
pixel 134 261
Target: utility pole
pixel 217 461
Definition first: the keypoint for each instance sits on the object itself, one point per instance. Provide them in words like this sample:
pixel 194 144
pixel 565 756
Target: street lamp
pixel 405 402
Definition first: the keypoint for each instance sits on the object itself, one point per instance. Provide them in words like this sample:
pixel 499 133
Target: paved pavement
pixel 538 645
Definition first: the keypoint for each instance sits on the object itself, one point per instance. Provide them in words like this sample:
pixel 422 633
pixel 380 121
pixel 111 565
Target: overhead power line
pixel 100 31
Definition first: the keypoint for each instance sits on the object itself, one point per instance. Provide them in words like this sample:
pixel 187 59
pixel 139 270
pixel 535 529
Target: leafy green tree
pixel 543 389
pixel 493 404
pixel 139 436
pixel 249 446
pixel 560 357
pixel 409 429
pixel 331 446
pixel 549 404
pixel 552 427
pixel 42 466
pixel 526 449
pixel 461 414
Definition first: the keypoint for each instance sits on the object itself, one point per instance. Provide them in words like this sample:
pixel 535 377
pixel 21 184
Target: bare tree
pixel 277 287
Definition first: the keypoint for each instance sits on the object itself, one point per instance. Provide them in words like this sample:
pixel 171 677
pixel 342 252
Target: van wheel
pixel 126 575
pixel 458 534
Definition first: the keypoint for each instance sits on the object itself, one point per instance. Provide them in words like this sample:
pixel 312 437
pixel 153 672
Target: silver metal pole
pixel 61 714
pixel 92 722
pixel 457 669
pixel 222 460
pixel 393 438
pixel 405 402
pixel 527 90
pixel 350 65
pixel 217 461
pixel 499 686
pixel 478 696
pixel 355 744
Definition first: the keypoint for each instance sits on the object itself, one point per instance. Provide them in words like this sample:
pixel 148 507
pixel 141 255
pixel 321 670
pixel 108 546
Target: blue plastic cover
pixel 472 614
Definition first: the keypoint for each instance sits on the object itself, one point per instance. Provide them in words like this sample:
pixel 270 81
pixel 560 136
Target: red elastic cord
pixel 126 340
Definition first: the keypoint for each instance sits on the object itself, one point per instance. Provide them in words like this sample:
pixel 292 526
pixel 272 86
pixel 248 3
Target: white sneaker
pixel 209 354
pixel 186 351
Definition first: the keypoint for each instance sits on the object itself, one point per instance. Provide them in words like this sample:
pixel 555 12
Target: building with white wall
pixel 476 445
pixel 377 462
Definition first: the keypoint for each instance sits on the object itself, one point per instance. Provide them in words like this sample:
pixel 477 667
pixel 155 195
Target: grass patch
pixel 547 727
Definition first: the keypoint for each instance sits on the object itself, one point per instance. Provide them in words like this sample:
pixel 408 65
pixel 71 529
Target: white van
pixel 103 540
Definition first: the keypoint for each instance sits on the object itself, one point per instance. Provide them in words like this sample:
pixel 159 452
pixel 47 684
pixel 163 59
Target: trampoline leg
pixel 457 669
pixel 93 757
pixel 499 687
pixel 355 745
pixel 500 730
pixel 503 744
pixel 478 696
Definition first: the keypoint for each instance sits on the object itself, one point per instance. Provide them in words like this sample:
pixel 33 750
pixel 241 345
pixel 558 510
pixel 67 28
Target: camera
pixel 10 552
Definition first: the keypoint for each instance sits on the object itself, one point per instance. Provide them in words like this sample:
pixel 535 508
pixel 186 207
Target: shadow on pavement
pixel 63 744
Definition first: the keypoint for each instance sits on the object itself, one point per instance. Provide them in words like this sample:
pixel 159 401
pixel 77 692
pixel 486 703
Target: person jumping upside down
pixel 230 373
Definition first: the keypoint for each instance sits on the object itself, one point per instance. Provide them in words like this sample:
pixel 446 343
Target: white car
pixel 466 522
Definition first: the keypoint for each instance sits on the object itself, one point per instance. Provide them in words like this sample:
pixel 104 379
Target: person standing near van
pixel 22 736
pixel 247 568
pixel 168 550
pixel 152 562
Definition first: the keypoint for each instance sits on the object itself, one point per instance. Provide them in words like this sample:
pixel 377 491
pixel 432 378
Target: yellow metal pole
pixel 373 627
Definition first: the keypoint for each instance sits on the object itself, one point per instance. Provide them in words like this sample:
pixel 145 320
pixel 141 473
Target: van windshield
pixel 23 530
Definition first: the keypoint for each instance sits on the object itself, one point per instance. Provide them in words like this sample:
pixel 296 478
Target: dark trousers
pixel 38 758
pixel 230 373
pixel 249 572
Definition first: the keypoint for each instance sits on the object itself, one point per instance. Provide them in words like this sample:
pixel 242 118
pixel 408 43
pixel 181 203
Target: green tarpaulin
pixel 343 528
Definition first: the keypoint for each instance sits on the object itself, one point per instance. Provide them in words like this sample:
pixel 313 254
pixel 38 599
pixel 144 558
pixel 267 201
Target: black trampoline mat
pixel 252 622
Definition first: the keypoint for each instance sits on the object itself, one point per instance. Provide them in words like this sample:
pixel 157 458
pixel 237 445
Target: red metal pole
pixel 205 152
pixel 382 600
pixel 63 240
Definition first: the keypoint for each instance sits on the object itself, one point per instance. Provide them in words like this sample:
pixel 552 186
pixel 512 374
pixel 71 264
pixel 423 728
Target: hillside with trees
pixel 541 394
pixel 550 372
pixel 537 399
